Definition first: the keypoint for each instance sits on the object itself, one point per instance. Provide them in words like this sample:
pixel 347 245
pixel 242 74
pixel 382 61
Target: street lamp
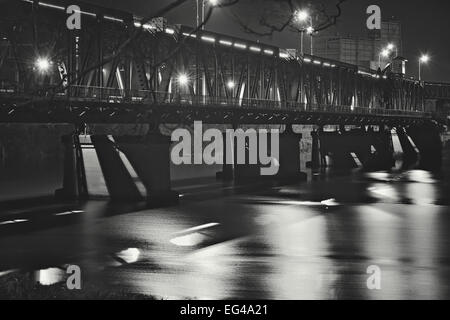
pixel 302 16
pixel 391 47
pixel 385 54
pixel 202 14
pixel 310 30
pixel 423 60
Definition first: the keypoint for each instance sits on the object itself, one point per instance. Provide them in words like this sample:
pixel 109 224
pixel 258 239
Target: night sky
pixel 426 25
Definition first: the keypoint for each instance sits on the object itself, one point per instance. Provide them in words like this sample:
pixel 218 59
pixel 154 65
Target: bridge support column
pixel 74 177
pixel 336 146
pixel 410 155
pixel 150 158
pixel 289 159
pixel 120 168
pixel 381 150
pixel 347 150
pixel 427 138
pixel 317 159
pixel 228 169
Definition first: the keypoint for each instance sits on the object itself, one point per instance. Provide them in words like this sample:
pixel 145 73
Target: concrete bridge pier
pixel 381 150
pixel 357 148
pixel 427 138
pixel 317 157
pixel 74 176
pixel 124 168
pixel 410 154
pixel 287 162
pixel 289 157
pixel 337 146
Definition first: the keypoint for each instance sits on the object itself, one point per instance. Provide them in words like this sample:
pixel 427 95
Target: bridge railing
pixel 119 96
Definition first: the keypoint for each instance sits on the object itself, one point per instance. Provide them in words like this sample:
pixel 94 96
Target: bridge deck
pixel 109 105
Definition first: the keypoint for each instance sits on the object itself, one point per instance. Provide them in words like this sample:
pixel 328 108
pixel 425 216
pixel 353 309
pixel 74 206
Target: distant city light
pixel 43 64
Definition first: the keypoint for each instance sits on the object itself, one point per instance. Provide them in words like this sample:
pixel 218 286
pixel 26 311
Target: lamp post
pixel 391 47
pixel 201 7
pixel 423 59
pixel 384 53
pixel 310 31
pixel 301 16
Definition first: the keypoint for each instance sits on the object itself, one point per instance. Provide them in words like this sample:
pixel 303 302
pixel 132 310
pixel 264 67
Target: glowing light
pixel 310 30
pixel 226 43
pixel 208 39
pixel 189 240
pixel 48 277
pixel 43 64
pixel 424 58
pixel 240 46
pixel 113 19
pixel 231 84
pixel 130 255
pixel 170 31
pixel 390 46
pixel 330 203
pixel 13 222
pixel 213 2
pixel 385 53
pixel 48 5
pixel 301 15
pixel 183 79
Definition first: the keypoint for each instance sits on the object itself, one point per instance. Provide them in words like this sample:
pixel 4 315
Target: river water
pixel 314 240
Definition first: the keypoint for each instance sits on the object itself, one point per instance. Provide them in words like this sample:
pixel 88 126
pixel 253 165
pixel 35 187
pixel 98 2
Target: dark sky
pixel 426 25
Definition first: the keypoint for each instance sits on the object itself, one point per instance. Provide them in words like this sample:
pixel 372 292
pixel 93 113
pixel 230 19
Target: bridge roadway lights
pixel 427 138
pixel 289 162
pixel 125 168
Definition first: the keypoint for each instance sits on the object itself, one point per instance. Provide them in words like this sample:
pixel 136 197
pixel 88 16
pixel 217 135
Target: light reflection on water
pixel 50 276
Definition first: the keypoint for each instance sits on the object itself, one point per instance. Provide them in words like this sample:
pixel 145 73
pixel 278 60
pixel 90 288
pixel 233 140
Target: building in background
pixel 364 52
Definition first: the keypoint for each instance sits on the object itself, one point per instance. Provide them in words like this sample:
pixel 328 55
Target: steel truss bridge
pixel 116 70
